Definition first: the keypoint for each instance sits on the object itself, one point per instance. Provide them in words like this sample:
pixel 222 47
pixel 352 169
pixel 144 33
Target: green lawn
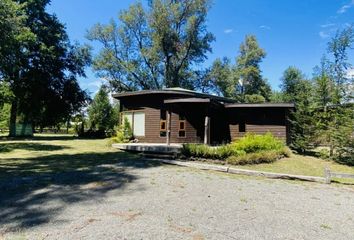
pixel 54 153
pixel 61 153
pixel 303 165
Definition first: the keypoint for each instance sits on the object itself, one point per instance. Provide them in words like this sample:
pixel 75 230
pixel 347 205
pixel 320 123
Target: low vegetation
pixel 251 149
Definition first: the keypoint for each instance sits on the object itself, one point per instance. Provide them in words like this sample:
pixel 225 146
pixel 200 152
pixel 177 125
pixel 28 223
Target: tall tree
pixel 338 47
pixel 221 78
pixel 153 47
pixel 295 88
pixel 102 115
pixel 248 69
pixel 292 83
pixel 47 65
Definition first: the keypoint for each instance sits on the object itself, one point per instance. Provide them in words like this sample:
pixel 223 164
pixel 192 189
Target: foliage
pixel 42 68
pixel 254 98
pixel 205 151
pixel 123 133
pixel 295 88
pixel 255 158
pixel 252 143
pixel 221 77
pixel 4 116
pixel 242 81
pixel 292 82
pixel 153 47
pixel 101 112
pixel 338 47
pixel 248 70
pixel 277 97
pixel 251 149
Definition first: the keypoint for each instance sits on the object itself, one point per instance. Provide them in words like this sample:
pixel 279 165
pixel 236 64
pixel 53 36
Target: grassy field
pixel 59 153
pixel 53 154
pixel 303 165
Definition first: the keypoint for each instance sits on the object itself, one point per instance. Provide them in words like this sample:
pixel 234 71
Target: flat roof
pixel 260 105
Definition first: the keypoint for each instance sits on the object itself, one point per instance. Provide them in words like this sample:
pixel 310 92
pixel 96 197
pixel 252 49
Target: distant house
pixel 176 115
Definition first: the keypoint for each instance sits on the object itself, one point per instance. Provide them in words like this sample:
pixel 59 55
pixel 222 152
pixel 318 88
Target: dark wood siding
pixel 258 121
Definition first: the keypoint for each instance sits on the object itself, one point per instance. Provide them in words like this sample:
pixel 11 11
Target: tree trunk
pixel 13 117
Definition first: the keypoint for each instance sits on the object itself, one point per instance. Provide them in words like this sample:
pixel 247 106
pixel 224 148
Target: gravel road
pixel 169 202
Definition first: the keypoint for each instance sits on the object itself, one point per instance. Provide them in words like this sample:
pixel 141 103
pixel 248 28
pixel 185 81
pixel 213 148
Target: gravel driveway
pixel 144 201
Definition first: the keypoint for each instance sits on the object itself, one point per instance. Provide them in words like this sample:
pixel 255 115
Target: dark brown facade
pixel 182 116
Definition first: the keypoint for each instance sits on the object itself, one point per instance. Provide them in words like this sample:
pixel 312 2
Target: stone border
pixel 238 171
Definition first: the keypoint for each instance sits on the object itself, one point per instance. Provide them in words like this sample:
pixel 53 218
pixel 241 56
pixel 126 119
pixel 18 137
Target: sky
pixel 292 32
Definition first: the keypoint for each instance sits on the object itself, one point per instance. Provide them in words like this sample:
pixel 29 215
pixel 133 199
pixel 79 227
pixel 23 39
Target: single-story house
pixel 177 115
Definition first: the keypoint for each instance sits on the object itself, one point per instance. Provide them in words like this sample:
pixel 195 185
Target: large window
pixel 136 121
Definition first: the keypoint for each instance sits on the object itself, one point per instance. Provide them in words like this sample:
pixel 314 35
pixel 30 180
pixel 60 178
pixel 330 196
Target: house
pixel 176 115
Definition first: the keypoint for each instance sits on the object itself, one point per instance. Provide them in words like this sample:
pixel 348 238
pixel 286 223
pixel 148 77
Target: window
pixel 163 123
pixel 136 121
pixel 182 126
pixel 139 124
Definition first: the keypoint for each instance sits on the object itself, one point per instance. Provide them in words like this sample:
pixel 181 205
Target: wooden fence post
pixel 327 173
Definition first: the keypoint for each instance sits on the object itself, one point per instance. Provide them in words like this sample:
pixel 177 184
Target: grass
pixel 54 153
pixel 303 165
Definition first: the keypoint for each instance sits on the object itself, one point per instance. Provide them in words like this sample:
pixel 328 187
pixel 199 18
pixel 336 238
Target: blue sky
pixel 292 32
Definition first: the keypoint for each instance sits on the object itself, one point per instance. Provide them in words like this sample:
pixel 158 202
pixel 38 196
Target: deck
pixel 149 147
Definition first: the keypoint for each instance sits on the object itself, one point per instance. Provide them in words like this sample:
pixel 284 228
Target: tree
pixel 295 88
pixel 338 47
pixel 43 70
pixel 302 122
pixel 335 114
pixel 221 78
pixel 248 70
pixel 102 115
pixel 292 83
pixel 153 47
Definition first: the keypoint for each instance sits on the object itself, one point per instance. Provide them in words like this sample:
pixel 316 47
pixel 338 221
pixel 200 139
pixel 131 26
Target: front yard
pixel 59 187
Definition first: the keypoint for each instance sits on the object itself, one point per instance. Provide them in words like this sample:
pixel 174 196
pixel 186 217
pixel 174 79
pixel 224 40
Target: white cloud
pixel 327 25
pixel 265 27
pixel 229 30
pixel 323 34
pixel 96 83
pixel 345 7
pixel 350 73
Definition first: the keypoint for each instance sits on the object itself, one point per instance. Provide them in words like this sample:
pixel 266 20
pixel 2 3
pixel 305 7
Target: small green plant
pixel 204 151
pixel 123 133
pixel 252 143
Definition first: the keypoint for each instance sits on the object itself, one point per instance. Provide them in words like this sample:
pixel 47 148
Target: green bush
pixel 252 143
pixel 251 149
pixel 122 133
pixel 204 151
pixel 267 156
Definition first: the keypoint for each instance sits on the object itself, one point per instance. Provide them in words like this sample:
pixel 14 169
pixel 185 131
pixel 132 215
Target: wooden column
pixel 207 130
pixel 168 126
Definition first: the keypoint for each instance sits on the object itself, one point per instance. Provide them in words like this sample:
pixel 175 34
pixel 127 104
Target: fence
pixel 329 175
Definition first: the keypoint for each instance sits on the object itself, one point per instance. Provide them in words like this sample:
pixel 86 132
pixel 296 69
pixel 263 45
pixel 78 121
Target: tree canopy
pixel 42 68
pixel 154 47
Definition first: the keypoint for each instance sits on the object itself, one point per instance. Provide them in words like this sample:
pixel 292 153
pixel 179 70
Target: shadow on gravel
pixel 34 191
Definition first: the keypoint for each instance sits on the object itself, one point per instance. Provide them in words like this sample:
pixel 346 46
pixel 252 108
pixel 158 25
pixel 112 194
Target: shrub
pixel 252 143
pixel 204 151
pixel 267 156
pixel 251 149
pixel 122 133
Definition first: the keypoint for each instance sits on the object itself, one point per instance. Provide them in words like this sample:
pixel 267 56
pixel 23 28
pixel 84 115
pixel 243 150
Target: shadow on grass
pixel 34 191
pixel 30 146
pixel 39 137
